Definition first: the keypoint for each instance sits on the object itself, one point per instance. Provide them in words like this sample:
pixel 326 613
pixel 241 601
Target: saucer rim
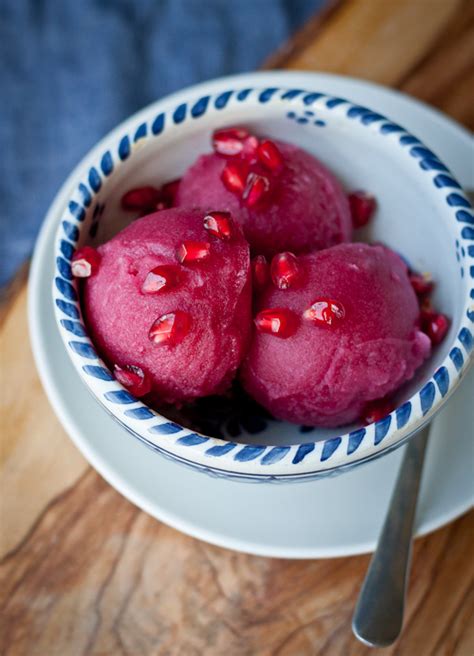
pixel 129 492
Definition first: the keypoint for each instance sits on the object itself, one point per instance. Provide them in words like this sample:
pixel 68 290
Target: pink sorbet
pixel 306 210
pixel 325 373
pixel 186 325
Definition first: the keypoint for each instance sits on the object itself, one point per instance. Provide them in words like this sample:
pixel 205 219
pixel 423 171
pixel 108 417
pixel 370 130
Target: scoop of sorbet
pixel 304 208
pixel 349 336
pixel 172 297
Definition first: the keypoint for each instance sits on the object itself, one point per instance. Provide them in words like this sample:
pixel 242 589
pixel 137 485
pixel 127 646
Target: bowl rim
pixel 220 457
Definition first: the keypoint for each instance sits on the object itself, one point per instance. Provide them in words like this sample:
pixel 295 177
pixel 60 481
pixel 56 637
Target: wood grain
pixel 378 41
pixel 445 76
pixel 82 571
pixel 37 462
pixel 126 584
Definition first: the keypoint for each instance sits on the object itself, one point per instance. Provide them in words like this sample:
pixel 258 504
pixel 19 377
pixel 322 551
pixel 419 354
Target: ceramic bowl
pixel 423 214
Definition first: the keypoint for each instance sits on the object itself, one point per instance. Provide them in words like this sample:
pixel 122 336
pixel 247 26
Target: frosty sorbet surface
pixel 243 268
pixel 303 209
pixel 173 299
pixel 350 336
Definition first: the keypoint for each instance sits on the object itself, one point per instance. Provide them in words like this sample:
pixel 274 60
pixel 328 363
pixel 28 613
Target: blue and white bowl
pixel 423 214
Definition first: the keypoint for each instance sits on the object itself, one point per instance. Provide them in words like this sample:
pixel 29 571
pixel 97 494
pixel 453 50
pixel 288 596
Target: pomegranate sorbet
pixel 335 328
pixel 348 330
pixel 170 303
pixel 293 203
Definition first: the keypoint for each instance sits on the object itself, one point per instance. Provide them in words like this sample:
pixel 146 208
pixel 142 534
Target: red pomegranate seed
pixel 219 224
pixel 229 142
pixel 256 188
pixel 270 156
pixel 169 192
pixel 376 410
pixel 422 283
pixel 193 251
pixel 325 312
pixel 133 378
pixel 233 176
pixel 260 271
pixel 285 270
pixel 170 329
pixel 435 325
pixel 362 206
pixel 142 198
pixel 85 262
pixel 161 278
pixel 280 322
pixel 250 149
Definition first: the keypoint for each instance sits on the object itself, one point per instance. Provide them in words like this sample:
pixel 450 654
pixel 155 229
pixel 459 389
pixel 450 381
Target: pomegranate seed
pixel 250 149
pixel 85 262
pixel 161 278
pixel 270 156
pixel 170 329
pixel 434 325
pixel 256 188
pixel 280 322
pixel 229 142
pixel 233 176
pixel 325 311
pixel 260 271
pixel 285 270
pixel 142 198
pixel 219 224
pixel 422 283
pixel 376 410
pixel 362 207
pixel 169 192
pixel 133 378
pixel 193 251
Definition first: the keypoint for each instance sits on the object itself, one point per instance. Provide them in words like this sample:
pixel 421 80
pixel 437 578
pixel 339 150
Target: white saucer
pixel 269 520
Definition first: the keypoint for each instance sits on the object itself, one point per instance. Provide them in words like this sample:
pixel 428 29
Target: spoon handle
pixel 378 615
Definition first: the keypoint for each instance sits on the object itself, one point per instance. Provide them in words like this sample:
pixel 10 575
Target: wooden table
pixel 85 572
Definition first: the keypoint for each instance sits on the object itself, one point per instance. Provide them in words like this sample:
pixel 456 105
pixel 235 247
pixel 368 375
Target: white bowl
pixel 423 214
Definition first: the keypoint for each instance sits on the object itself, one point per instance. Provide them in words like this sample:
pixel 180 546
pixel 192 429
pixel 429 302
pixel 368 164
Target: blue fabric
pixel 70 71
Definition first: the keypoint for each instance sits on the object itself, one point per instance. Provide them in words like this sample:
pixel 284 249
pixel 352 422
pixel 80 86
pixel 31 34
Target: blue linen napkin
pixel 70 71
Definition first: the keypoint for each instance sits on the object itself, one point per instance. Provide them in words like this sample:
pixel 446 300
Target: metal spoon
pixel 378 616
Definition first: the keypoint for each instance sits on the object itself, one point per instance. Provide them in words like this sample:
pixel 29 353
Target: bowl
pixel 423 214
